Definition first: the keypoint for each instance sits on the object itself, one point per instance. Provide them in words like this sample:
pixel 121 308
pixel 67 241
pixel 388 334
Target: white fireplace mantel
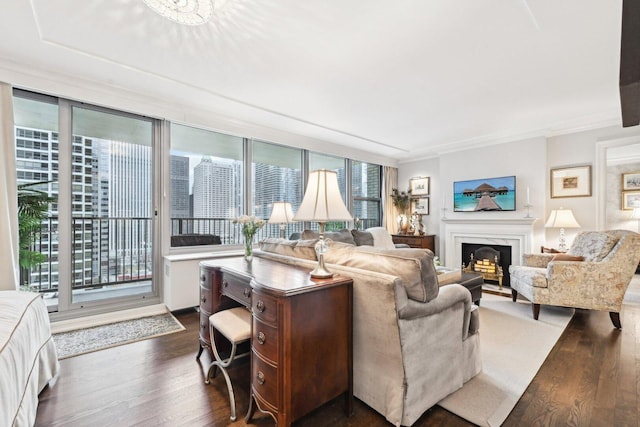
pixel 514 232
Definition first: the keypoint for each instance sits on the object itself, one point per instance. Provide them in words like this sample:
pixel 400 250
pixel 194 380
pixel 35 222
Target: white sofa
pixel 414 342
pixel 28 360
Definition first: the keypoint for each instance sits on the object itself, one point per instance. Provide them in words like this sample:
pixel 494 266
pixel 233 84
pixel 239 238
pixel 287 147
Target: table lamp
pixel 562 218
pixel 282 214
pixel 322 202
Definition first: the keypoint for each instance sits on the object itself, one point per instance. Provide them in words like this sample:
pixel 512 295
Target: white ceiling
pixel 401 79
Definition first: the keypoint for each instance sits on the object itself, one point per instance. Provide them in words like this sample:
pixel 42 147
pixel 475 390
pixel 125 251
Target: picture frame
pixel 631 181
pixel 572 181
pixel 420 206
pixel 419 186
pixel 630 200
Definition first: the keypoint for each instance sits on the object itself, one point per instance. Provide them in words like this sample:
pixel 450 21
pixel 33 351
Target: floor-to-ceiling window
pixel 98 237
pixel 276 177
pixel 366 194
pixel 206 186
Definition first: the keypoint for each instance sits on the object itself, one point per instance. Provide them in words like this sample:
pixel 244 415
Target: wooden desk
pixel 301 345
pixel 425 241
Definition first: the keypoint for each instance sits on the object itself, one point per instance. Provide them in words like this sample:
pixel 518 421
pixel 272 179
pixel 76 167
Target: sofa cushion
pixel 381 237
pixel 593 245
pixel 414 266
pixel 362 238
pixel 304 249
pixel 343 236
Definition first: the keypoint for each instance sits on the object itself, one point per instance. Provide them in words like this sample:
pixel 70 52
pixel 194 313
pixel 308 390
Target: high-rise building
pixel 215 187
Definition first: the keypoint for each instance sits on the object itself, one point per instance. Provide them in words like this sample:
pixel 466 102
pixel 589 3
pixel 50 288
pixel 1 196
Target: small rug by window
pixel 81 341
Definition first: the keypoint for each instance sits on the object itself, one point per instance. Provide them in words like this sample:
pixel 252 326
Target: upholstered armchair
pixel 594 274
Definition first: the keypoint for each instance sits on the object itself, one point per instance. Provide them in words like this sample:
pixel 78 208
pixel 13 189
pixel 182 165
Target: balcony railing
pixel 112 251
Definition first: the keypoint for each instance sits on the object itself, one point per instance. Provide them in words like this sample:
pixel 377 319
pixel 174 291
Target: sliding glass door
pixel 97 239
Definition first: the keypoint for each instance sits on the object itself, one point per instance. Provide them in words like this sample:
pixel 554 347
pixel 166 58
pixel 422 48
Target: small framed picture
pixel 420 206
pixel 572 181
pixel 630 200
pixel 631 181
pixel 419 186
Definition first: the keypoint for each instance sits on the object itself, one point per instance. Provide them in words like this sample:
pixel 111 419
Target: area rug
pixel 513 347
pixel 81 341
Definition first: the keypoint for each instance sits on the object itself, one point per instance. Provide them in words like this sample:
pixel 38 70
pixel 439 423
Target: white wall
pixel 530 160
pixel 484 162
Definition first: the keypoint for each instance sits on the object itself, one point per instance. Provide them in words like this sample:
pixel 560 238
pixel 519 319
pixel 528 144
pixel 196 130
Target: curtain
pixel 9 270
pixel 389 182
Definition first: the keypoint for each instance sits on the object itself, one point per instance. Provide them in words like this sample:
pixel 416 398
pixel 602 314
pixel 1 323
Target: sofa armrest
pixel 537 260
pixel 448 296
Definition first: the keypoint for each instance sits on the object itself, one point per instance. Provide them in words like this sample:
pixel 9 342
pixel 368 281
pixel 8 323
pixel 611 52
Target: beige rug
pixel 82 341
pixel 513 347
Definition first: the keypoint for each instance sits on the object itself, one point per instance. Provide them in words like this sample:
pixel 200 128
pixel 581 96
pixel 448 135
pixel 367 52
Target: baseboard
pixel 106 318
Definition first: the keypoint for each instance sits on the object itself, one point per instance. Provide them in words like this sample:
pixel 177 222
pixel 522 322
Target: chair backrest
pixel 594 245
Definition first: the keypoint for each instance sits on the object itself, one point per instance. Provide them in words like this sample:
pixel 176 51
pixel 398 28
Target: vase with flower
pixel 402 201
pixel 250 226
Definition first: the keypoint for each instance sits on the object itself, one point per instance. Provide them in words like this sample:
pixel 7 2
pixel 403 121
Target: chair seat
pixel 234 324
pixel 531 276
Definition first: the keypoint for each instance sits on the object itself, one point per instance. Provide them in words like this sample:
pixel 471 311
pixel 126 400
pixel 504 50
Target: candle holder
pixel 444 213
pixel 528 206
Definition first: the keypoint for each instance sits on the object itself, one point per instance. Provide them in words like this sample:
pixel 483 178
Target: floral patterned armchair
pixel 594 274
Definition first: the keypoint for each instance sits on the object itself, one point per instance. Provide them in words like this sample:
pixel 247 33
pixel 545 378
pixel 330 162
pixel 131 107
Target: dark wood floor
pixel 591 378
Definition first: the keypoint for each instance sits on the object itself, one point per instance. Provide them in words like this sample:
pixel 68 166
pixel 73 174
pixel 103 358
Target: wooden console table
pixel 301 345
pixel 425 241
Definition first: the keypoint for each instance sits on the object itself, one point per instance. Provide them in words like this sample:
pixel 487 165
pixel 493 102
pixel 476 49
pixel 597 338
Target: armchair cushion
pixel 414 266
pixel 567 257
pixel 536 276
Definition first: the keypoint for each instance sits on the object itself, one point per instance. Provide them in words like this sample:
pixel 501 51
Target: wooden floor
pixel 591 378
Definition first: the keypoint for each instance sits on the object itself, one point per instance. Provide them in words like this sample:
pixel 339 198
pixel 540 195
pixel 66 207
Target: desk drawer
pixel 265 340
pixel 237 289
pixel 204 327
pixel 264 307
pixel 265 380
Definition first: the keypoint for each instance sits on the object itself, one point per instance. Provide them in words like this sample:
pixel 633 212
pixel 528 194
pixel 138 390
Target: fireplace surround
pixel 514 232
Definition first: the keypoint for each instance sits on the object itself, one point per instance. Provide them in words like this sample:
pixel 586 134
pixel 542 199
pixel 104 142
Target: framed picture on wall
pixel 572 181
pixel 419 186
pixel 631 181
pixel 630 200
pixel 420 206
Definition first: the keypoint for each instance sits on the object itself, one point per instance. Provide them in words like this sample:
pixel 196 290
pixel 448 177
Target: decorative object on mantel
pixel 528 205
pixel 562 218
pixel 419 186
pixel 322 202
pixel 572 181
pixel 250 226
pixel 282 214
pixel 186 12
pixel 402 202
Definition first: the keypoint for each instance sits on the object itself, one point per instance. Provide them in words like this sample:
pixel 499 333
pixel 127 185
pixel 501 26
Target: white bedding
pixel 28 359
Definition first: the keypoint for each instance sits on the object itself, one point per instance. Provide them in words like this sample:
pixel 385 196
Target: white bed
pixel 28 359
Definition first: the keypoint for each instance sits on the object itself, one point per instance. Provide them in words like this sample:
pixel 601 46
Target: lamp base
pixel 320 272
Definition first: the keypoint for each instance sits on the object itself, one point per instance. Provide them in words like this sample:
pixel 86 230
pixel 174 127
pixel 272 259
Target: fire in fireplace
pixel 481 258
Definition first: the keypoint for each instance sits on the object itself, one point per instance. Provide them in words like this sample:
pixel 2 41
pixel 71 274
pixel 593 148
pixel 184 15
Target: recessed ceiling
pixel 400 79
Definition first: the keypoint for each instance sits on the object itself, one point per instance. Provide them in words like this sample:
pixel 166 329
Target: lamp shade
pixel 322 200
pixel 561 218
pixel 281 213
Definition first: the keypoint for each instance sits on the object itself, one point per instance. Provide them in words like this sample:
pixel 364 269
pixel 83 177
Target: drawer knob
pixel 246 292
pixel 260 378
pixel 204 298
pixel 203 278
pixel 261 337
pixel 260 306
pixel 225 283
